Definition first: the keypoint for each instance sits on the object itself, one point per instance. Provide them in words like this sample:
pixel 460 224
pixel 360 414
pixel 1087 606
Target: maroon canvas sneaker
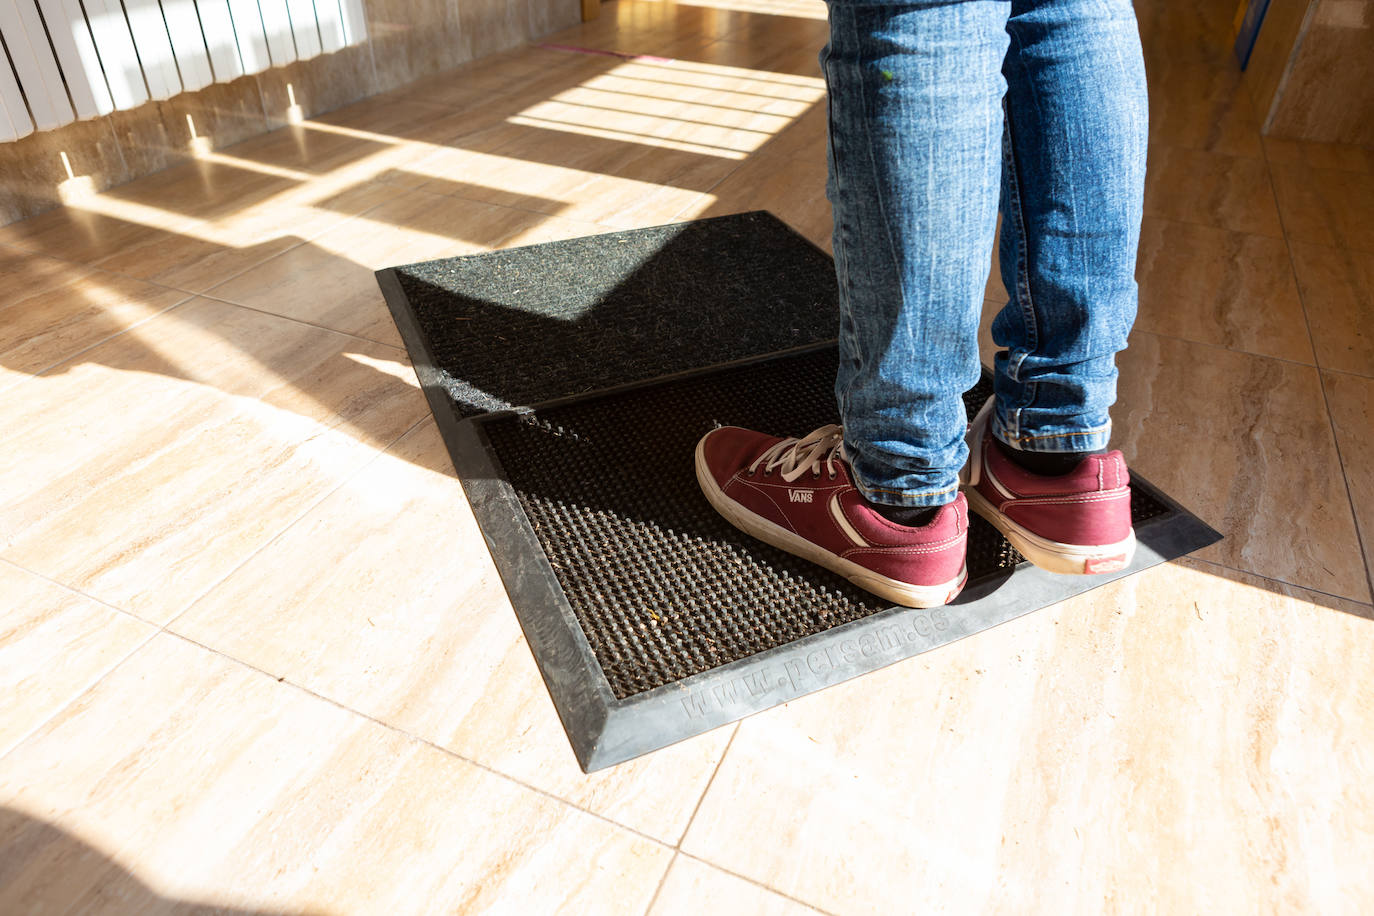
pixel 1077 523
pixel 796 494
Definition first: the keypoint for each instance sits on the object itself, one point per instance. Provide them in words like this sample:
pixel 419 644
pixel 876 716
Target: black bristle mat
pixel 661 585
pixel 524 326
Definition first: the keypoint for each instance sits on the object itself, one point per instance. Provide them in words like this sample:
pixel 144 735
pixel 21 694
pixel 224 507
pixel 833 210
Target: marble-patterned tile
pixel 1220 287
pixel 1351 399
pixel 205 251
pixel 54 643
pixel 42 324
pixel 787 177
pixel 1340 156
pixel 314 284
pixel 631 145
pixel 485 84
pixel 1228 192
pixel 202 784
pixel 1244 442
pixel 647 28
pixel 330 281
pixel 147 468
pixel 85 233
pixel 693 887
pixel 576 176
pixel 30 274
pixel 1338 293
pixel 384 598
pixel 1326 206
pixel 1199 105
pixel 318 149
pixel 194 225
pixel 1187 738
pixel 1327 91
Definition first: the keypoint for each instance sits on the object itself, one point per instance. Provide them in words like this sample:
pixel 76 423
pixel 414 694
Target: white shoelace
pixel 794 457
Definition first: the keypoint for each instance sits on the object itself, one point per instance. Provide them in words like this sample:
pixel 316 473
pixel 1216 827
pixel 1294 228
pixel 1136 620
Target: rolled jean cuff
pixel 1068 440
pixel 911 498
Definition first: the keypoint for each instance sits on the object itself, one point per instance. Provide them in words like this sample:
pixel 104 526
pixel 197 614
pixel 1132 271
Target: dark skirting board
pixel 650 617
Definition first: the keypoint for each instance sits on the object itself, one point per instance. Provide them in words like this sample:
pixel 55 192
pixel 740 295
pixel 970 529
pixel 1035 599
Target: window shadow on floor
pixel 44 868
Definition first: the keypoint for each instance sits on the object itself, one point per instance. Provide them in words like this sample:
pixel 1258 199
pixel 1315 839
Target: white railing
pixel 85 58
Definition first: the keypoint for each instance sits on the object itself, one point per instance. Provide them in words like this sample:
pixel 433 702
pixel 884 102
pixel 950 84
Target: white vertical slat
pixel 303 27
pixel 115 45
pixel 354 21
pixel 249 36
pixel 276 21
pixel 35 65
pixel 76 54
pixel 154 49
pixel 14 117
pixel 183 27
pixel 331 24
pixel 218 26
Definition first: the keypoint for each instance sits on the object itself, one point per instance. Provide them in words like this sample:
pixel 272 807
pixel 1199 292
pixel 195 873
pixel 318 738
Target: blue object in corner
pixel 1249 30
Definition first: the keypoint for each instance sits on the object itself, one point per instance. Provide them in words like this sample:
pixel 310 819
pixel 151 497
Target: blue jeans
pixel 938 111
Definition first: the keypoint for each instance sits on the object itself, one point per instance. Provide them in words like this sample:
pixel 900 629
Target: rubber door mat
pixel 651 618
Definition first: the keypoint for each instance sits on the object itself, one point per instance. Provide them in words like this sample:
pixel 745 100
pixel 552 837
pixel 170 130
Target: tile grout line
pixel 1226 349
pixel 1321 385
pixel 164 628
pixel 1347 372
pixel 758 884
pixel 301 321
pixel 1278 582
pixel 661 882
pixel 39 373
pixel 295 520
pixel 702 798
pixel 77 695
pixel 75 591
pixel 98 678
pixel 283 679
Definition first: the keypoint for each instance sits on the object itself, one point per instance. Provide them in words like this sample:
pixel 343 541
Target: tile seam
pixel 1321 385
pixel 294 520
pixel 396 729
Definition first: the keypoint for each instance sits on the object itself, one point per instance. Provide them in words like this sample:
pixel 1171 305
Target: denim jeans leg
pixel 915 157
pixel 1073 188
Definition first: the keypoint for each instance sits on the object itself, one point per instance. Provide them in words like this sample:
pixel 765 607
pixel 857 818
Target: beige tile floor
pixel 254 657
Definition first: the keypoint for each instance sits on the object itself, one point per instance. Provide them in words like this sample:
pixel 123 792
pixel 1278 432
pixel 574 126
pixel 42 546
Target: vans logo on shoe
pixel 801 496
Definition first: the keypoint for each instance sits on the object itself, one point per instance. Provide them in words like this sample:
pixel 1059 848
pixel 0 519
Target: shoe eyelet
pixel 833 475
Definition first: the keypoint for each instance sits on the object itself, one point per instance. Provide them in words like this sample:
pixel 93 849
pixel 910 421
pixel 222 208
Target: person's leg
pixel 1072 196
pixel 915 154
pixel 915 111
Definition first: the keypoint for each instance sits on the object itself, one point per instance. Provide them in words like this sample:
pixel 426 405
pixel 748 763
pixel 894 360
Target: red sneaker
pixel 796 494
pixel 1079 522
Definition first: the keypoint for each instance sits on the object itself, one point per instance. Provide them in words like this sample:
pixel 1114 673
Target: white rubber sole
pixel 903 593
pixel 1069 559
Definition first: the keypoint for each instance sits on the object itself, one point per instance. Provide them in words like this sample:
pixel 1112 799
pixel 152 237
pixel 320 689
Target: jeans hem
pixel 909 498
pixel 1087 440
